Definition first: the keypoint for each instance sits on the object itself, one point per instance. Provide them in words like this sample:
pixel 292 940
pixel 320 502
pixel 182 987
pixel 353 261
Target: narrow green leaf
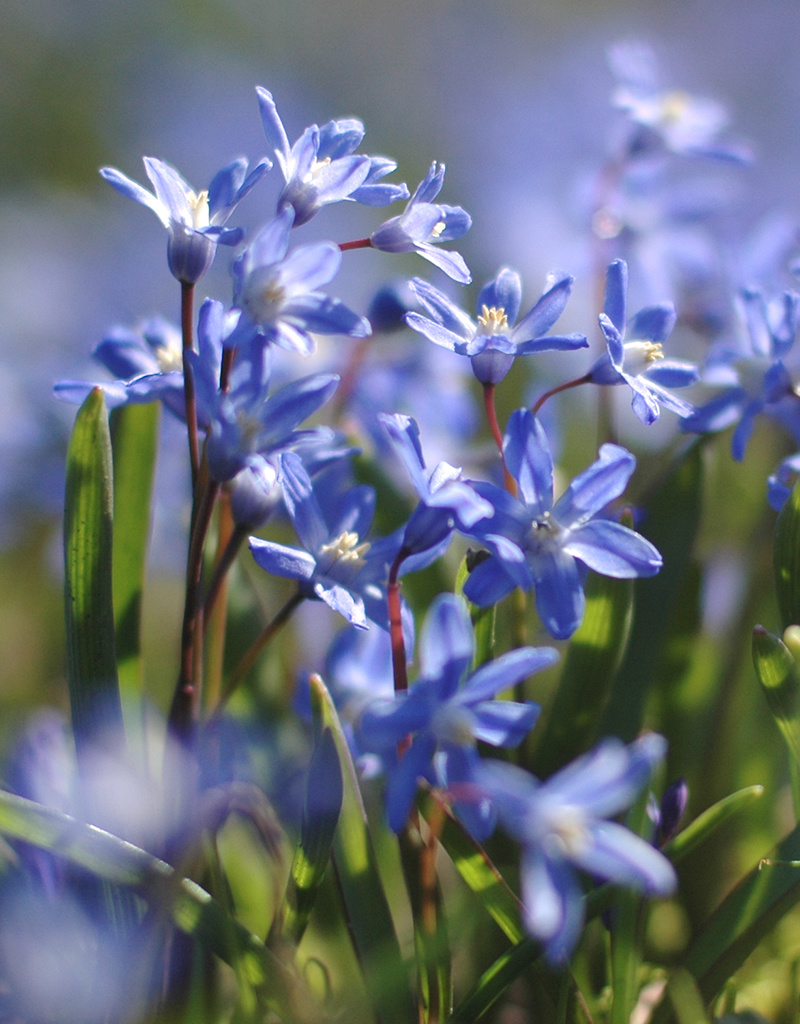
pixel 686 998
pixel 483 619
pixel 190 907
pixel 672 518
pixel 477 870
pixel 134 435
pixel 777 673
pixel 710 820
pixel 593 657
pixel 368 914
pixel 91 654
pixel 746 915
pixel 321 807
pixel 787 559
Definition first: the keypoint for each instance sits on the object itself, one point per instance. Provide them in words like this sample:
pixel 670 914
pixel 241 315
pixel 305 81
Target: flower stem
pixel 585 379
pixel 399 667
pixel 497 434
pixel 272 628
pixel 226 559
pixel 187 333
pixel 186 699
pixel 358 243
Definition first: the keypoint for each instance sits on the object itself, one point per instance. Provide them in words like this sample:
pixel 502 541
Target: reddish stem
pixel 187 334
pixel 497 434
pixel 585 379
pixel 359 243
pixel 399 666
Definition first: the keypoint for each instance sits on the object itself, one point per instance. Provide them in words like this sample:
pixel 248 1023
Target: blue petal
pixel 528 460
pixel 402 783
pixel 613 550
pixel 546 311
pixel 559 593
pixel 504 672
pixel 447 642
pixel 618 855
pixel 504 723
pixel 654 323
pixel 301 503
pixel 616 295
pixel 502 292
pixel 596 486
pixel 281 560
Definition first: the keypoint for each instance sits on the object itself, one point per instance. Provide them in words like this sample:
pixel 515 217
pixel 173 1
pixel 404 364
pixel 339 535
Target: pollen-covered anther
pixel 345 548
pixel 640 355
pixel 438 228
pixel 493 319
pixel 545 524
pixel 198 204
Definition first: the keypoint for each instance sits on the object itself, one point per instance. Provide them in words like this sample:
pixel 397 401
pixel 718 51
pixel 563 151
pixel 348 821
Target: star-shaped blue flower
pixel 336 564
pixel 753 376
pixel 494 340
pixel 278 293
pixel 563 825
pixel 322 168
pixel 423 224
pixel 446 499
pixel 447 710
pixel 639 362
pixel 539 544
pixel 195 220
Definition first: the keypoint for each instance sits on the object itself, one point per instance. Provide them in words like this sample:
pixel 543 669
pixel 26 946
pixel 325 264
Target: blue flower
pixel 667 120
pixel 446 500
pixel 337 566
pixel 781 482
pixel 321 167
pixel 562 825
pixel 448 709
pixel 494 341
pixel 277 292
pixel 195 221
pixel 540 545
pixel 424 223
pixel 754 376
pixel 640 362
pixel 147 361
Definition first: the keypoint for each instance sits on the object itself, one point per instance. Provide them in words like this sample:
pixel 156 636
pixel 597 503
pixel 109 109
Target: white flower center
pixel 568 835
pixel 674 106
pixel 493 320
pixel 345 548
pixel 169 357
pixel 639 356
pixel 198 204
pixel 316 167
pixel 455 725
pixel 264 295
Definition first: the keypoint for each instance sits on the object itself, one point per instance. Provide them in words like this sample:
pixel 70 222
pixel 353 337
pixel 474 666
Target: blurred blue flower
pixel 322 168
pixel 195 221
pixel 539 545
pixel 448 709
pixel 753 376
pixel 147 361
pixel 562 825
pixel 666 120
pixel 640 362
pixel 424 223
pixel 781 482
pixel 494 341
pixel 337 565
pixel 278 292
pixel 446 500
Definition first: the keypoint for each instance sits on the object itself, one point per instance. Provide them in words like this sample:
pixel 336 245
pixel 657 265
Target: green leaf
pixel 477 870
pixel 368 914
pixel 91 653
pixel 672 518
pixel 321 807
pixel 745 916
pixel 710 820
pixel 483 619
pixel 134 436
pixel 686 998
pixel 189 907
pixel 787 559
pixel 593 657
pixel 777 673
